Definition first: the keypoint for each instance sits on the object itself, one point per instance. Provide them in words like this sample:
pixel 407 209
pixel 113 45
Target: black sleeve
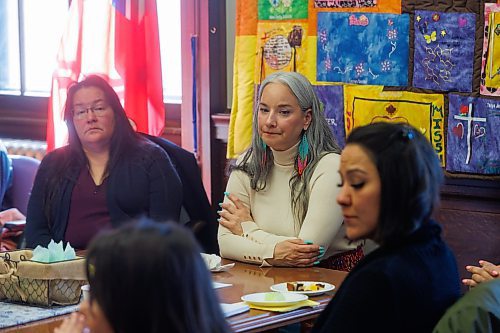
pixel 363 305
pixel 37 228
pixel 165 197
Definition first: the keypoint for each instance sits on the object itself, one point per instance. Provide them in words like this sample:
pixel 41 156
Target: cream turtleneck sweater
pixel 272 212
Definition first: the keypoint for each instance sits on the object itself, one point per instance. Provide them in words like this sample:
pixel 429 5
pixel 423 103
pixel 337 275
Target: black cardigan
pixel 203 221
pixel 143 183
pixel 405 287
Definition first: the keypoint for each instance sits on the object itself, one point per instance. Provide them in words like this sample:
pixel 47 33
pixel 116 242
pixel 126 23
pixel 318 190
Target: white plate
pixel 281 287
pixel 273 299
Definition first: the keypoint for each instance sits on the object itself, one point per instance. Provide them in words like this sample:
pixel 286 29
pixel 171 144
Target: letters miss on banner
pixel 364 105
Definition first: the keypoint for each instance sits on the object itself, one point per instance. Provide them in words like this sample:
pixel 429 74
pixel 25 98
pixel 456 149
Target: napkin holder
pixel 41 284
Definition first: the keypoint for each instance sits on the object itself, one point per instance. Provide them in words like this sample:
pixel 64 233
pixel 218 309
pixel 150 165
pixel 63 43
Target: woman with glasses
pixel 106 175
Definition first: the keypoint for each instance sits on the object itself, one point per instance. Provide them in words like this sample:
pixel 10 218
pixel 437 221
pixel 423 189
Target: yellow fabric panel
pixel 274 52
pixel 308 67
pixel 492 67
pixel 240 124
pixel 364 105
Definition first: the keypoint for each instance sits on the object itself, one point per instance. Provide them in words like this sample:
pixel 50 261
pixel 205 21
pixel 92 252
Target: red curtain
pixel 119 40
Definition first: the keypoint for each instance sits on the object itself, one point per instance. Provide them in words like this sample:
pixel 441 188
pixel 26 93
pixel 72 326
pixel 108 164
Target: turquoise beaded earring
pixel 302 156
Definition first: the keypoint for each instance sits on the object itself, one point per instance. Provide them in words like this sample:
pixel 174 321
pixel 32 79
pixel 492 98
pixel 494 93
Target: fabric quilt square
pixel 283 9
pixel 362 48
pixel 332 98
pixel 490 66
pixel 444 50
pixel 281 46
pixel 364 105
pixel 372 6
pixel 473 137
pixel 344 3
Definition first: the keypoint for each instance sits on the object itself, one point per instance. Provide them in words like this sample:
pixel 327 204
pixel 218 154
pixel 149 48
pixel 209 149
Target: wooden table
pixel 245 279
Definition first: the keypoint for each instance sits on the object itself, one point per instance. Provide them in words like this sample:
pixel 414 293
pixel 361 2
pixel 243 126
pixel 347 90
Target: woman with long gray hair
pixel 279 204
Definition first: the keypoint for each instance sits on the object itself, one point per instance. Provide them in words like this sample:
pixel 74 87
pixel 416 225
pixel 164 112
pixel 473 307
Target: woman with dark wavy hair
pixel 278 208
pixel 147 277
pixel 107 174
pixel 390 180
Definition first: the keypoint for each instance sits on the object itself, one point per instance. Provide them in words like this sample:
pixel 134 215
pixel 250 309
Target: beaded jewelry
pixel 302 156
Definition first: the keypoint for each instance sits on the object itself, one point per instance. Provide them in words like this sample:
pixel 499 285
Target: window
pixel 31 38
pixel 169 23
pixel 30 32
pixel 9 48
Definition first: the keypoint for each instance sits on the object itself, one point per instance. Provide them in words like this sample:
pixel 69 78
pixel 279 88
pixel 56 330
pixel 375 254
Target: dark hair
pixel 150 277
pixel 123 134
pixel 123 138
pixel 410 176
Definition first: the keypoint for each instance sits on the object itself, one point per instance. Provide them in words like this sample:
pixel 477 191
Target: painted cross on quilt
pixel 473 138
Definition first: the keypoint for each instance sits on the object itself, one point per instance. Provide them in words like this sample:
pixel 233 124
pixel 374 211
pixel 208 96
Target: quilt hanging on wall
pixel 282 10
pixel 380 6
pixel 473 136
pixel 281 47
pixel 332 98
pixel 364 105
pixel 281 35
pixel 363 48
pixel 490 65
pixel 444 50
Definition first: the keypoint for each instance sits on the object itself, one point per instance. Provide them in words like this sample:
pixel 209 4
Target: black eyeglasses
pixel 81 112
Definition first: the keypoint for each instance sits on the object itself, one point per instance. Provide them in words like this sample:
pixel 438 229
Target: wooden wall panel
pixel 472 235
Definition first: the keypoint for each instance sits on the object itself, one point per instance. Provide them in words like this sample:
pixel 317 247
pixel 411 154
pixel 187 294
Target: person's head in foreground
pixel 390 182
pixel 150 277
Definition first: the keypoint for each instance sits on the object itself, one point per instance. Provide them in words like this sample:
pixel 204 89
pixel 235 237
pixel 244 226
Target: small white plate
pixel 281 287
pixel 273 299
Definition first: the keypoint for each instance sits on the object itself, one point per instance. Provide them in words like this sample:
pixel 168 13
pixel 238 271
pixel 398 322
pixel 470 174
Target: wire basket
pixel 42 284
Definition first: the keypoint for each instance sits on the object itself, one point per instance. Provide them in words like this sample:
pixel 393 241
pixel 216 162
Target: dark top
pixel 202 219
pixel 142 183
pixel 90 213
pixel 405 287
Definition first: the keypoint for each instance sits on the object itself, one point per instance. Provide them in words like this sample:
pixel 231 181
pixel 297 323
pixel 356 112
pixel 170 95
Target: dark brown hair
pixel 410 177
pixel 150 277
